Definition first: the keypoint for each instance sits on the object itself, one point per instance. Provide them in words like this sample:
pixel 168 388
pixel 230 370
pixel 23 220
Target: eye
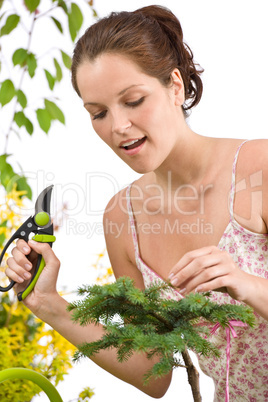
pixel 135 103
pixel 100 115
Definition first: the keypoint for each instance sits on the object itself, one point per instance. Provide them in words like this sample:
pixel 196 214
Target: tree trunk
pixel 193 376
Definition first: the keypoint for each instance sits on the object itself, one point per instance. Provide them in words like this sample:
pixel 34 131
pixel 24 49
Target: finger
pixel 194 268
pixel 206 278
pixel 46 251
pixel 23 247
pixel 15 272
pixel 218 284
pixel 21 259
pixel 190 256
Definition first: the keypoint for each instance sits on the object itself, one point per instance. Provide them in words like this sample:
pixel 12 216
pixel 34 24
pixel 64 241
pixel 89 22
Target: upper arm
pixel 258 179
pixel 119 241
pixel 265 186
pixel 252 186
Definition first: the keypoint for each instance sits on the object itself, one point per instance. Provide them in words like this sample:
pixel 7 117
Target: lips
pixel 132 144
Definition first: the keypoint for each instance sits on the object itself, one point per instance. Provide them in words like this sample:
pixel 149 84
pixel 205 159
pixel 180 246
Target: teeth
pixel 127 144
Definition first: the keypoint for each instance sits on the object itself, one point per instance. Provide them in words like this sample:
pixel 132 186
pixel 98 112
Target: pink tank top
pixel 248 376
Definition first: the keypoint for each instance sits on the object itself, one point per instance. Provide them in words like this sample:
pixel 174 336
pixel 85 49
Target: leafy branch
pixel 27 69
pixel 24 66
pixel 143 321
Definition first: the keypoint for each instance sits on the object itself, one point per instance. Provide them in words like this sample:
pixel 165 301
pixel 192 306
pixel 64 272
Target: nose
pixel 120 122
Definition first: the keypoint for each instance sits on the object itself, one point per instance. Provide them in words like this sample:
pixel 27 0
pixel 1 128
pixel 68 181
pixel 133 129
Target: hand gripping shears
pixel 40 224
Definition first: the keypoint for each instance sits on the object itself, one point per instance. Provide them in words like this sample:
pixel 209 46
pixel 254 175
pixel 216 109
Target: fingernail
pixel 20 280
pixel 32 242
pixel 27 275
pixel 198 289
pixel 26 249
pixel 182 291
pixel 171 276
pixel 174 281
pixel 28 266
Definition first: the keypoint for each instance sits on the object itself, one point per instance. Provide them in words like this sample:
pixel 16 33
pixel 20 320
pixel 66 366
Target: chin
pixel 141 168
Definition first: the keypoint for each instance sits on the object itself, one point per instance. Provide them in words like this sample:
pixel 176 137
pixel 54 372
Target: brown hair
pixel 152 37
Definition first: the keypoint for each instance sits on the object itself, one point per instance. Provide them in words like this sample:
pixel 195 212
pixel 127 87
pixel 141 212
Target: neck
pixel 188 162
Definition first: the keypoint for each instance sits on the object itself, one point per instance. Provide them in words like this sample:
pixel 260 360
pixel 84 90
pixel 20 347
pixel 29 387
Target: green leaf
pixel 32 4
pixel 21 120
pixel 22 98
pixel 22 185
pixel 86 394
pixel 8 177
pixel 58 24
pixel 6 171
pixel 58 70
pixel 32 64
pixel 63 5
pixel 95 14
pixel 2 240
pixel 67 61
pixel 11 23
pixel 50 79
pixel 44 119
pixel 19 57
pixel 54 111
pixel 7 92
pixel 29 126
pixel 75 20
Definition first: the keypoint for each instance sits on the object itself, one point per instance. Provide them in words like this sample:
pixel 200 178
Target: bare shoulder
pixel 252 181
pixel 254 157
pixel 115 221
pixel 119 240
pixel 116 209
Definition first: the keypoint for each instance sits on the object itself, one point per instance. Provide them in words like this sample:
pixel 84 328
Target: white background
pixel 229 40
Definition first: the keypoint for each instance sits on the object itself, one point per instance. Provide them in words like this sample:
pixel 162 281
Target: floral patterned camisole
pixel 248 375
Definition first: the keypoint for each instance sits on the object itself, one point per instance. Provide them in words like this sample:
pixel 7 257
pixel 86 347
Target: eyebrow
pixel 119 94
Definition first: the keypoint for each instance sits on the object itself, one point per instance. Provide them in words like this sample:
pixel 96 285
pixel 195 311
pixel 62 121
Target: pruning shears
pixel 41 225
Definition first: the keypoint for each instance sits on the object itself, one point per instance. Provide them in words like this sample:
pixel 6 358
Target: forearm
pixel 54 312
pixel 131 371
pixel 46 303
pixel 257 297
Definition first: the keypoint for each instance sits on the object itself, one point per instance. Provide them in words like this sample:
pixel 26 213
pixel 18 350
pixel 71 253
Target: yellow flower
pixel 15 196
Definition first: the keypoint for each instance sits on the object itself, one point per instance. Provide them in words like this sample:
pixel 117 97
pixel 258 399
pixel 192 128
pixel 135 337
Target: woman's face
pixel 131 112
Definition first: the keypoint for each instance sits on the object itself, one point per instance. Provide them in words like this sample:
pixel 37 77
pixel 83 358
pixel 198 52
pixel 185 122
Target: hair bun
pixel 189 70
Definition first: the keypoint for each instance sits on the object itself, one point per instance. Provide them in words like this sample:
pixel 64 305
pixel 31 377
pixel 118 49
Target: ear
pixel 178 87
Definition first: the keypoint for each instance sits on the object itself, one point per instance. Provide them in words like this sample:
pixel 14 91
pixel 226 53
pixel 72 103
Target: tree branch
pixel 30 33
pixel 193 376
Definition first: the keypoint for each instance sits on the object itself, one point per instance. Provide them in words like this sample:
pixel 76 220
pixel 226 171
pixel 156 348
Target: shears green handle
pixel 42 238
pixel 37 378
pixel 41 226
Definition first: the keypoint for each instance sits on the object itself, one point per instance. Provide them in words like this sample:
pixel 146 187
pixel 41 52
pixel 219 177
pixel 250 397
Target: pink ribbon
pixel 229 330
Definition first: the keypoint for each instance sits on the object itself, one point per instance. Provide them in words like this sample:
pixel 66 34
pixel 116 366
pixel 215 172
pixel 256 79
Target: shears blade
pixel 43 200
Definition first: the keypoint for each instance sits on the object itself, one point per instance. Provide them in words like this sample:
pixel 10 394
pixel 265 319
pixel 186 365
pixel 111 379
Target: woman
pixel 197 216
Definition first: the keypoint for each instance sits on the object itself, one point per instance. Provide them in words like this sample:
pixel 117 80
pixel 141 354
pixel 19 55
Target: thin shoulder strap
pixel 232 191
pixel 132 222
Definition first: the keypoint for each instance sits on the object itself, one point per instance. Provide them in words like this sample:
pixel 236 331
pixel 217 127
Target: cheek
pixel 101 128
pixel 149 115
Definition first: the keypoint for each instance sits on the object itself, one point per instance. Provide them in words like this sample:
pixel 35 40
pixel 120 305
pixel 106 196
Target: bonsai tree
pixel 144 321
